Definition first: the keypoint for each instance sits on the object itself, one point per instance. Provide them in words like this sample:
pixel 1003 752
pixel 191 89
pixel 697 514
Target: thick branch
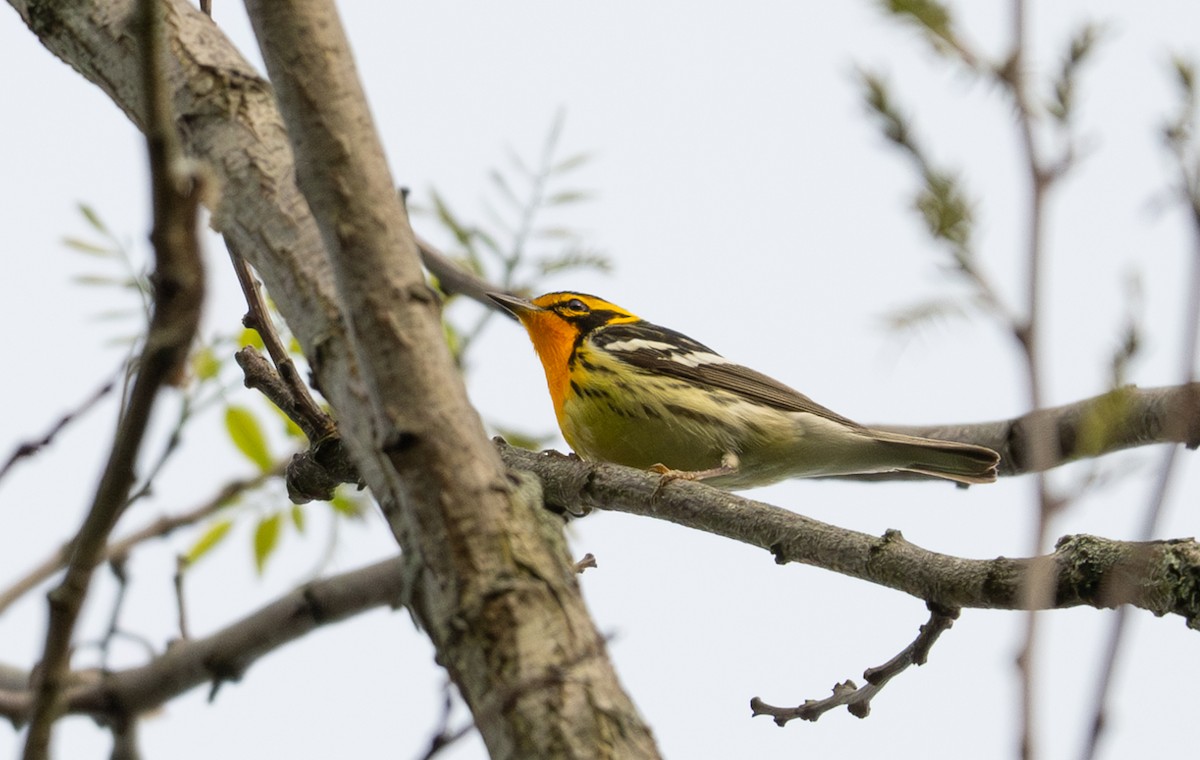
pixel 491 582
pixel 1160 576
pixel 521 588
pixel 223 656
pixel 1121 419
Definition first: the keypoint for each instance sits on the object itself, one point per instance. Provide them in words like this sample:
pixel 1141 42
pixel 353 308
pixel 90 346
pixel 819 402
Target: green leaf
pixel 1062 104
pixel 933 16
pixel 894 124
pixel 92 217
pixel 106 280
pixel 568 196
pixel 290 428
pixel 92 249
pixel 924 313
pixel 112 315
pixel 205 364
pixel 345 506
pixel 505 189
pixel 250 337
pixel 449 221
pixel 576 259
pixel 515 159
pixel 1185 74
pixel 208 540
pixel 298 517
pixel 569 163
pixel 266 539
pixel 522 440
pixel 247 436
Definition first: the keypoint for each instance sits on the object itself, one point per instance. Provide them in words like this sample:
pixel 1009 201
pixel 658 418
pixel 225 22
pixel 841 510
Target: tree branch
pixel 29 448
pixel 158 528
pixel 1123 418
pixel 222 656
pixel 178 289
pixel 858 699
pixel 492 583
pixel 1160 576
pixel 299 405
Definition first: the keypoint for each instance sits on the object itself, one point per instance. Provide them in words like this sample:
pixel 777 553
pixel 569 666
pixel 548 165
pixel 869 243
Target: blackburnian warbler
pixel 633 393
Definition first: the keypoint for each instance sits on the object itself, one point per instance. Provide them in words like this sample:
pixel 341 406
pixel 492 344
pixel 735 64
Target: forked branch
pixel 858 699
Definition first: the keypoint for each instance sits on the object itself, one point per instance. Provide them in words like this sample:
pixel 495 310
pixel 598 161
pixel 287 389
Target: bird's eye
pixel 576 305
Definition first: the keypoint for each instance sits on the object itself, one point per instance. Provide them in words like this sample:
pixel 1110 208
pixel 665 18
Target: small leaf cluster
pixel 212 382
pixel 942 201
pixel 524 238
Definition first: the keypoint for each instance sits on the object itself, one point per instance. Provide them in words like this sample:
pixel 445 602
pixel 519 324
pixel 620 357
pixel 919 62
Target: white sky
pixel 733 165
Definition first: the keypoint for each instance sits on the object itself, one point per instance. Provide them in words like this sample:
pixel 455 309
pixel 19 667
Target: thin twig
pixel 453 278
pixel 125 739
pixel 1040 441
pixel 180 606
pixel 317 424
pixel 858 699
pixel 444 737
pixel 159 528
pixel 117 566
pixel 30 448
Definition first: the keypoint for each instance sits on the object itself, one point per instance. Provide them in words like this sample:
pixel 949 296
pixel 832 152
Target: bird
pixel 630 392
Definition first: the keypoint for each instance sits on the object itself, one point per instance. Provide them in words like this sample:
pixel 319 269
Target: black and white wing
pixel 673 354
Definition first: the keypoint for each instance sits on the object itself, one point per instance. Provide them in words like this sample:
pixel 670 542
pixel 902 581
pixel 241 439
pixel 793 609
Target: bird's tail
pixel 961 462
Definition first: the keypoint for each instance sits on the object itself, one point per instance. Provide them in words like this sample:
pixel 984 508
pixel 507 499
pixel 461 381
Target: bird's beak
pixel 513 305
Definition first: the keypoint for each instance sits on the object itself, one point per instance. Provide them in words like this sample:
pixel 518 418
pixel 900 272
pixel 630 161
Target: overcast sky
pixel 745 199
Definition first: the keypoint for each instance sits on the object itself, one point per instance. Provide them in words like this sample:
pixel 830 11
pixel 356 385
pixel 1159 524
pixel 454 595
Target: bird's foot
pixel 729 466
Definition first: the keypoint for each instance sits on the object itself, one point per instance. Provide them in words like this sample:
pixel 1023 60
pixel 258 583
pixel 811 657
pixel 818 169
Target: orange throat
pixel 553 340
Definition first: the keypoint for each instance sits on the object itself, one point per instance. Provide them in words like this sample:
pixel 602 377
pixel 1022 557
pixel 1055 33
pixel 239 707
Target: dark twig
pixel 313 420
pixel 312 475
pixel 444 737
pixel 117 566
pixel 1042 175
pixel 30 448
pixel 178 285
pixel 180 606
pixel 158 528
pixel 453 278
pixel 587 562
pixel 125 739
pixel 858 699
